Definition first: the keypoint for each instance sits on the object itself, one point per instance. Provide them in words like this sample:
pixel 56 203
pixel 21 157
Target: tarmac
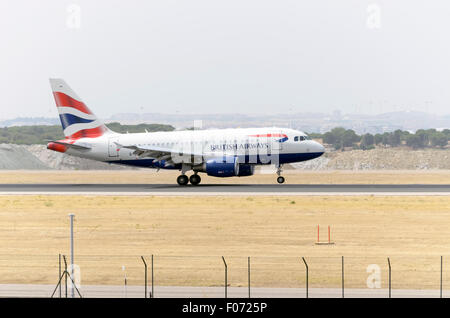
pixel 225 189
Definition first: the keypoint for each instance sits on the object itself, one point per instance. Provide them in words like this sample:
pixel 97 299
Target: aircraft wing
pixel 170 155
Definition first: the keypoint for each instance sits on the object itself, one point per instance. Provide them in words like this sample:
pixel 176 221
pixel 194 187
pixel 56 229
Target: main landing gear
pixel 280 178
pixel 195 179
pixel 183 179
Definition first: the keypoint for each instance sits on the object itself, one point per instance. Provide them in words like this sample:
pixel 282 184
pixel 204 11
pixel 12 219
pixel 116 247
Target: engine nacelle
pixel 222 167
pixel 246 170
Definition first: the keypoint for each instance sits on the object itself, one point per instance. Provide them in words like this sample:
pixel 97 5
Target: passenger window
pixel 302 138
pixel 296 138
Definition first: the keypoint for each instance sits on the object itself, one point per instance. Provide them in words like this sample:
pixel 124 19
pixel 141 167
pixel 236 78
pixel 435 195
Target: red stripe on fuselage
pixel 63 100
pixel 85 133
pixel 269 135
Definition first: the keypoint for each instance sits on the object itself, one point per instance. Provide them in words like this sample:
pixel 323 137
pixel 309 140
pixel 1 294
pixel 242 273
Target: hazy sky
pixel 209 56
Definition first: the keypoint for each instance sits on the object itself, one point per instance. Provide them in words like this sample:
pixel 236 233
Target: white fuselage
pixel 252 145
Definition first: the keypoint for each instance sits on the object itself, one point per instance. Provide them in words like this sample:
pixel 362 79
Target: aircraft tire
pixel 182 180
pixel 195 179
pixel 280 179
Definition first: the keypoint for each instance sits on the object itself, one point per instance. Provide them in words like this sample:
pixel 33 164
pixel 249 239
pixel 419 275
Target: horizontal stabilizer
pixel 73 146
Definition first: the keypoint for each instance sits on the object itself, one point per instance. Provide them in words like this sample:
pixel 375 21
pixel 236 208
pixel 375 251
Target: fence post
pixel 226 276
pixel 342 276
pixel 249 277
pixel 441 278
pixel 153 291
pixel 125 283
pixel 389 264
pixel 65 270
pixel 145 275
pixel 65 273
pixel 307 269
pixel 59 259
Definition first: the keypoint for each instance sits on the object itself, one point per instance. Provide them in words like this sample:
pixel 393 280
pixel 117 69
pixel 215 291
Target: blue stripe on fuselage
pixel 284 158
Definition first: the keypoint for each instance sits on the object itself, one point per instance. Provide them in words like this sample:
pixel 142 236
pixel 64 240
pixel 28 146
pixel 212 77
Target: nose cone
pixel 317 149
pixel 313 149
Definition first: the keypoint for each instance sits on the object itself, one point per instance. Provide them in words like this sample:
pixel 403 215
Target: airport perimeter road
pixel 93 291
pixel 228 189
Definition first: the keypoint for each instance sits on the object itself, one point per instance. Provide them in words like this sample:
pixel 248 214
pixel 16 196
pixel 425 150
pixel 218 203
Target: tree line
pixel 40 134
pixel 340 138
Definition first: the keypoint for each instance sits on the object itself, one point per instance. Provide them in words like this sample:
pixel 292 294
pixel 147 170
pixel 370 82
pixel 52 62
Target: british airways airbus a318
pixel 216 152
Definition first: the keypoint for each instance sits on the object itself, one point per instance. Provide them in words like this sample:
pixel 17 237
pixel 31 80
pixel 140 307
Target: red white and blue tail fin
pixel 76 118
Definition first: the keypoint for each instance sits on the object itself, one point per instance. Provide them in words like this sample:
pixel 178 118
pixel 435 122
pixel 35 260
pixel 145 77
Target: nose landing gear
pixel 280 178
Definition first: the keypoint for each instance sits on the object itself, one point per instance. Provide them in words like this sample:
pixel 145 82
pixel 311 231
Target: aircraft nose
pixel 319 148
pixel 322 148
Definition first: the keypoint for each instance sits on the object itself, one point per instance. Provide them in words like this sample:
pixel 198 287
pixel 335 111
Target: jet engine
pixel 222 167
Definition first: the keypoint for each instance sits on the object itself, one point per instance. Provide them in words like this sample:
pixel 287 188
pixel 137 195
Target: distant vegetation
pixel 338 137
pixel 341 138
pixel 139 128
pixel 29 135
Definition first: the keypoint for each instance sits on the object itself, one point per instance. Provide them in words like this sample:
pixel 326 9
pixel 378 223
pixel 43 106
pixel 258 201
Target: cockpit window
pixel 301 138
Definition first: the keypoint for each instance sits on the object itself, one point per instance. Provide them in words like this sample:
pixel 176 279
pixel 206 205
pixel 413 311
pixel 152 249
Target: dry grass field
pixel 148 176
pixel 188 236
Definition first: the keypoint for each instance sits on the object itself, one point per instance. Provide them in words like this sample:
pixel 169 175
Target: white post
pixel 125 280
pixel 71 255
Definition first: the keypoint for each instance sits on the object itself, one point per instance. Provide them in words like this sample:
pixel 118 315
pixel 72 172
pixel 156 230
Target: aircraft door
pixel 113 149
pixel 277 142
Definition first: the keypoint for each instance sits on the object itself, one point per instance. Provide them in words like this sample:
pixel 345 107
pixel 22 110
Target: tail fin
pixel 76 118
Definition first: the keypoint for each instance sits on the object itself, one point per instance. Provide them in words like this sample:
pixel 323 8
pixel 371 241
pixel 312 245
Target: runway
pixel 226 189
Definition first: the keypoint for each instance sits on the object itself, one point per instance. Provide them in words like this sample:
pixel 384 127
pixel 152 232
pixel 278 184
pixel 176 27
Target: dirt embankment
pixel 13 157
pixel 60 161
pixel 37 157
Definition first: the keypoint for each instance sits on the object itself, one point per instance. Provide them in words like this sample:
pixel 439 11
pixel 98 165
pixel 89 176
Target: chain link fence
pixel 224 276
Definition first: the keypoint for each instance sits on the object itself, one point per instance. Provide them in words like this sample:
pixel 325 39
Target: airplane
pixel 216 152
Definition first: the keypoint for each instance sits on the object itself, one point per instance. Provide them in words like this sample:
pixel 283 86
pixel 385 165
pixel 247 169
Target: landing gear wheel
pixel 195 179
pixel 182 180
pixel 280 179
